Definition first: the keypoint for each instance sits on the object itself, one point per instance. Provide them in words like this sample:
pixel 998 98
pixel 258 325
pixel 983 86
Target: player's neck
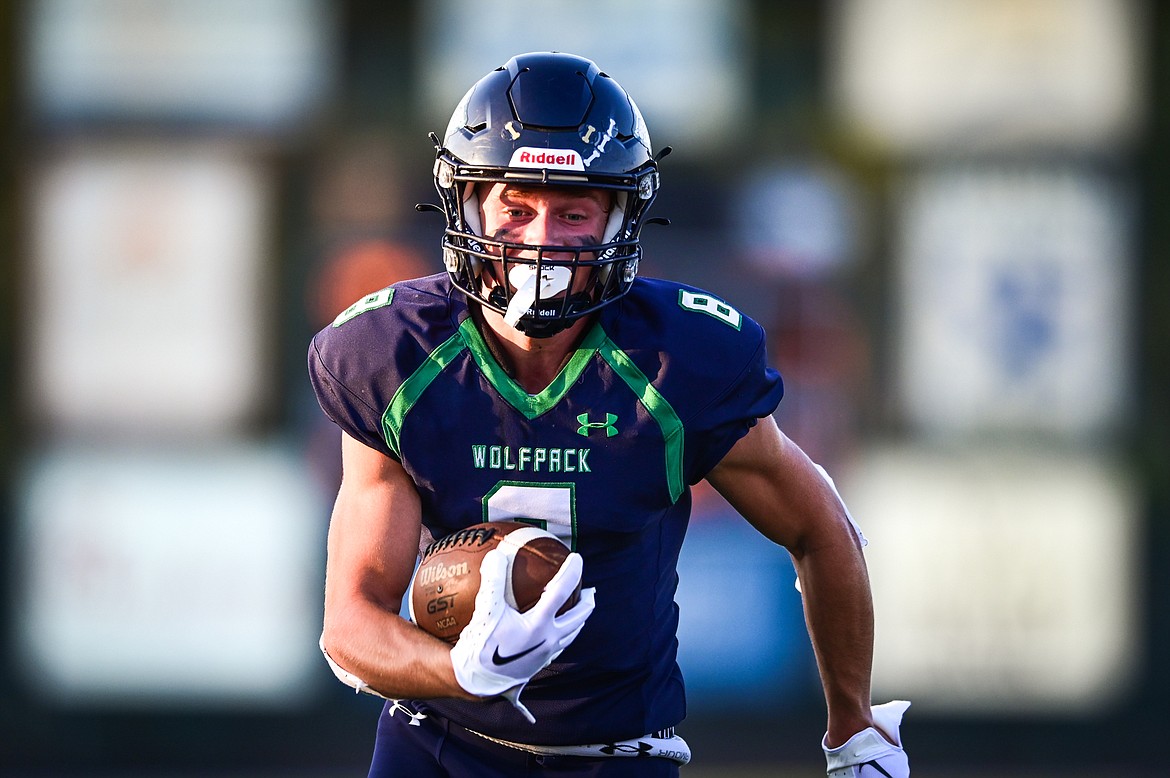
pixel 532 363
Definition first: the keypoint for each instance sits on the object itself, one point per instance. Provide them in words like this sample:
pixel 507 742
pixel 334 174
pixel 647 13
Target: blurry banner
pixel 741 632
pixel 917 75
pixel 148 301
pixel 799 220
pixel 683 61
pixel 168 576
pixel 1015 301
pixel 1005 581
pixel 261 63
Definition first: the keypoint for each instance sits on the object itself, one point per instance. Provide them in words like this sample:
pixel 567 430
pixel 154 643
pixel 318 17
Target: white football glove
pixel 868 754
pixel 501 648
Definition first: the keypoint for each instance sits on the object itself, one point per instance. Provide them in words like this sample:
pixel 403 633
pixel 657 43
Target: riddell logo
pixel 558 159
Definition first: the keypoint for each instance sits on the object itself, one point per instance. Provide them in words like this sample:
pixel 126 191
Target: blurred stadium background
pixel 951 214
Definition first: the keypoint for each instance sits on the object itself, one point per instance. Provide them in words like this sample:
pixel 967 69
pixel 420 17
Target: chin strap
pixel 542 328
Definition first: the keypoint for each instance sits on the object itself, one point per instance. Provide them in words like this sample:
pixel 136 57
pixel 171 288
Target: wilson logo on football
pixel 440 572
pixel 557 159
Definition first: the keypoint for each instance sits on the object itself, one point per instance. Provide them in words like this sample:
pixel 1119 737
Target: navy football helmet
pixel 545 119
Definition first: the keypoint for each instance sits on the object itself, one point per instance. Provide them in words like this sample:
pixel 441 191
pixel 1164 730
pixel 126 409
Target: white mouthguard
pixel 553 280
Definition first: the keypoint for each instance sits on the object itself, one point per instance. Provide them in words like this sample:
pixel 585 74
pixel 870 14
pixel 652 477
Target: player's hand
pixel 501 648
pixel 869 753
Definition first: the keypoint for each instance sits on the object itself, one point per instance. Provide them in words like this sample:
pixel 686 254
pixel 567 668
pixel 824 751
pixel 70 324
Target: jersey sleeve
pixel 345 407
pixel 753 390
pixel 358 363
pixel 708 361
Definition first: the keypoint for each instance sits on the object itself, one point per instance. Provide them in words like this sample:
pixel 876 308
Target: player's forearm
pixel 839 613
pixel 388 653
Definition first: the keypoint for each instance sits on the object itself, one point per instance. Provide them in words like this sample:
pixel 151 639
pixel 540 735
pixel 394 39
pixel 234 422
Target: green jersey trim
pixel 530 405
pixel 659 409
pixel 412 388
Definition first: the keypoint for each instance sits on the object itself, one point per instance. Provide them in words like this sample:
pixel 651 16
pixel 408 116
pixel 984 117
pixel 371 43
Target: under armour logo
pixel 588 426
pixel 415 717
pixel 641 749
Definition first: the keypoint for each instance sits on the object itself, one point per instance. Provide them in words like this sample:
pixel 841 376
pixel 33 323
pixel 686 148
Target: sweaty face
pixel 547 216
pixel 541 216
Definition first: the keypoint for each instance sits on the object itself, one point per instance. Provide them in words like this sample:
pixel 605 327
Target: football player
pixel 541 379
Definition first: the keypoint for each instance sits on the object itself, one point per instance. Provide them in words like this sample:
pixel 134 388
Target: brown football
pixel 442 593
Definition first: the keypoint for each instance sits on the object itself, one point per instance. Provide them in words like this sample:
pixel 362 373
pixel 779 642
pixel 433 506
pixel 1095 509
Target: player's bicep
pixel 770 481
pixel 374 529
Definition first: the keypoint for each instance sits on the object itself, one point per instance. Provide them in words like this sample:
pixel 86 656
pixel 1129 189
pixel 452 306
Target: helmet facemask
pixel 540 289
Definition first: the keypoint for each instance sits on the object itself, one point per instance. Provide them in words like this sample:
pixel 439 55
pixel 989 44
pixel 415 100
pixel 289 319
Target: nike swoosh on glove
pixel 868 754
pixel 501 648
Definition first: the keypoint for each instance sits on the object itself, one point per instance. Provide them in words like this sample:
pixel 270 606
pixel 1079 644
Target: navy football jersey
pixel 665 381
